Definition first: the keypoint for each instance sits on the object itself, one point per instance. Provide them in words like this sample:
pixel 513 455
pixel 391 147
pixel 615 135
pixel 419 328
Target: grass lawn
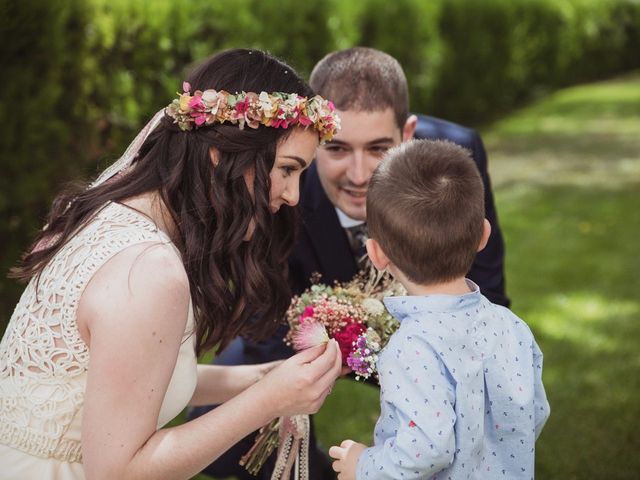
pixel 566 175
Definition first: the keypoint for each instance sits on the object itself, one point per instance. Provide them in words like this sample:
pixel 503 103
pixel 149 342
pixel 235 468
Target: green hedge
pixel 80 77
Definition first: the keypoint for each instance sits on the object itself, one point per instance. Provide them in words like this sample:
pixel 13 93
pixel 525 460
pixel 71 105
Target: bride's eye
pixel 287 170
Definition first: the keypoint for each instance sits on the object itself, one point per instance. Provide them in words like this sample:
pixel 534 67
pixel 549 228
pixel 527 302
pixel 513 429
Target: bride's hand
pixel 301 383
pixel 264 368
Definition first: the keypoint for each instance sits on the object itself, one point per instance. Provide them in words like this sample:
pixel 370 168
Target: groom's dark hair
pixel 363 79
pixel 425 207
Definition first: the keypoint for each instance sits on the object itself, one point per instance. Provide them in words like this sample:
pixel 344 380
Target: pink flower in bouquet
pixel 309 334
pixel 346 337
pixel 364 354
pixel 352 314
pixel 308 312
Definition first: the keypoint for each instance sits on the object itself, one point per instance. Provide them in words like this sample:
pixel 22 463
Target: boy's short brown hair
pixel 363 79
pixel 425 207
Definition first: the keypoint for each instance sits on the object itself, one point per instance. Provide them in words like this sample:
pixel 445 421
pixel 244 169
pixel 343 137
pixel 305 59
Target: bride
pixel 177 248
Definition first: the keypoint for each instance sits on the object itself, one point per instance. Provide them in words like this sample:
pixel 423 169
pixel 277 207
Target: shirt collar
pixel 346 221
pixel 402 307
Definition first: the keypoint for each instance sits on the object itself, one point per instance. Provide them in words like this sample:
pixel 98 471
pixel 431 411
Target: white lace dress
pixel 43 360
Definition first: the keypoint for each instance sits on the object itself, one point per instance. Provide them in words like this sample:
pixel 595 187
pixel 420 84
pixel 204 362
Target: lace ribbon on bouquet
pixel 291 436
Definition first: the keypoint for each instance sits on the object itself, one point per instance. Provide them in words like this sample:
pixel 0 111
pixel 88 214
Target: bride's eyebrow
pixel 301 161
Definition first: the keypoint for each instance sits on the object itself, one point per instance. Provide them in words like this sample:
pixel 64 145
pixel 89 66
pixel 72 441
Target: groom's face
pixel 345 164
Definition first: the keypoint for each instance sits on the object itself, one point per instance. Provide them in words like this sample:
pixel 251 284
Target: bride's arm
pixel 134 319
pixel 219 383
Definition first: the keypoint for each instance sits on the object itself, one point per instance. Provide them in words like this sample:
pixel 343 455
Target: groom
pixel 370 92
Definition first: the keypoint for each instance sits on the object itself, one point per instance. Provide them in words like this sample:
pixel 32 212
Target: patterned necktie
pixel 357 236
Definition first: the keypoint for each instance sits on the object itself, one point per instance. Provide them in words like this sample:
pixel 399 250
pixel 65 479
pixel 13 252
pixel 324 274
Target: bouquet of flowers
pixel 351 313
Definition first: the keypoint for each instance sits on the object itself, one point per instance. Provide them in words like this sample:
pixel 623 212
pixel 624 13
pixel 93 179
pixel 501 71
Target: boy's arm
pixel 419 400
pixel 540 402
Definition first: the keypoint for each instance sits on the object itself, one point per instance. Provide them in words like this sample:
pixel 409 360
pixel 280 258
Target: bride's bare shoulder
pixel 145 284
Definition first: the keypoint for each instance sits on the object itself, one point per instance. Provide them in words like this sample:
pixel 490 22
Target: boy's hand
pixel 346 456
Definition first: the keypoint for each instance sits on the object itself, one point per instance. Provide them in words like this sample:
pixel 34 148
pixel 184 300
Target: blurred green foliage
pixel 81 76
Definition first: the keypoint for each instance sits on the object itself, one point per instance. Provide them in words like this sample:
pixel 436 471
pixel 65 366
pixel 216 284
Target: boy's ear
pixel 376 255
pixel 409 128
pixel 215 156
pixel 486 232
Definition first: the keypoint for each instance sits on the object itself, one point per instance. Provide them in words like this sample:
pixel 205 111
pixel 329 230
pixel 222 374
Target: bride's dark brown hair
pixel 237 286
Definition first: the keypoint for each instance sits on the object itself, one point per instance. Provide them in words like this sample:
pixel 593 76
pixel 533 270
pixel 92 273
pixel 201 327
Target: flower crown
pixel 278 110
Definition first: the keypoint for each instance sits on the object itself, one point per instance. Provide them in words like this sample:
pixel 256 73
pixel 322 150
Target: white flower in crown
pixel 373 306
pixel 210 96
pixel 266 104
pixel 313 114
pixel 292 101
pixel 215 101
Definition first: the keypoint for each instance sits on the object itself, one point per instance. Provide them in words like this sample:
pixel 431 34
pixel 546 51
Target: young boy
pixel 461 389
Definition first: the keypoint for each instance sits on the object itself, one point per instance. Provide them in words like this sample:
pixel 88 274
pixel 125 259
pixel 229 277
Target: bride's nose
pixel 291 194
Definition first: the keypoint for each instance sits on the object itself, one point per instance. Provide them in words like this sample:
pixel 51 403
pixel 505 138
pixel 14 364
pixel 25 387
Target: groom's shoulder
pixel 434 128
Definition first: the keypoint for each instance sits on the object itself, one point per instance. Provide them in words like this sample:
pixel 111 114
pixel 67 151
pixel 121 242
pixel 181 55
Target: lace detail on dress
pixel 43 360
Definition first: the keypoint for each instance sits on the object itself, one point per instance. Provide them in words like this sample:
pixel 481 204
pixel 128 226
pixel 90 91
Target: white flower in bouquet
pixel 373 306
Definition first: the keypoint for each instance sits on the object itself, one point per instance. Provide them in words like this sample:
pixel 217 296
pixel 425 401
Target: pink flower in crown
pixel 294 116
pixel 304 120
pixel 242 106
pixel 196 103
pixel 199 118
pixel 198 109
pixel 280 123
pixel 253 114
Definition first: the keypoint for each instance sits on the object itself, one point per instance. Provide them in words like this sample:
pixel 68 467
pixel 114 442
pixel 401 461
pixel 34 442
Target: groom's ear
pixel 409 128
pixel 376 254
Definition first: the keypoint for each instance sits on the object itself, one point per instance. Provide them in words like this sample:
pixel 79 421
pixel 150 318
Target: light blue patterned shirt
pixel 461 393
